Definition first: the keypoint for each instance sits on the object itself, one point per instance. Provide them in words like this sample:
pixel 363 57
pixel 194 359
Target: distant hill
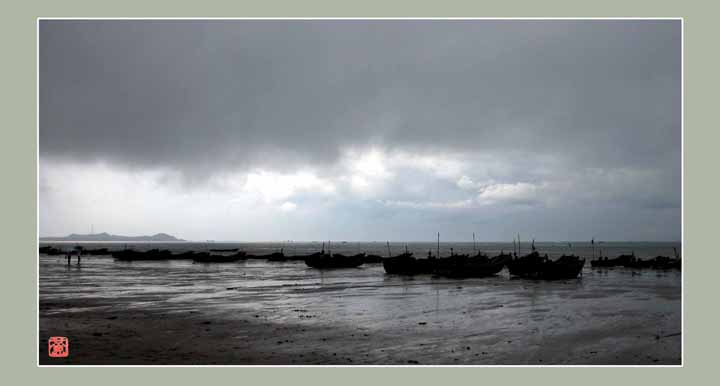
pixel 108 237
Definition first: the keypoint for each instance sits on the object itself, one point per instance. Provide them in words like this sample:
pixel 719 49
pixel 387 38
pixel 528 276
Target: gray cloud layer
pixel 207 97
pixel 167 92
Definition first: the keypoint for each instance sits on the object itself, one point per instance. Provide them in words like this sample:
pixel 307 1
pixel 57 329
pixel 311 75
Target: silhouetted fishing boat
pixel 277 256
pixel 600 262
pixel 445 265
pixel 672 264
pixel 189 255
pixel 462 266
pixel 274 256
pixel 225 250
pixel 132 255
pixel 336 260
pixel 620 261
pixel 535 266
pixel 95 252
pixel 639 263
pixel 373 259
pixel 407 264
pixel 658 262
pixel 48 250
pixel 211 258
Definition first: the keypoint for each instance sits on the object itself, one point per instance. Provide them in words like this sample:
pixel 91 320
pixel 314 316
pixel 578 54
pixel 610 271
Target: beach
pixel 258 312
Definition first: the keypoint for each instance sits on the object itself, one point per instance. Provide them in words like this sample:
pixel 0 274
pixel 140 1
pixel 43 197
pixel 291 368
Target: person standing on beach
pixel 79 250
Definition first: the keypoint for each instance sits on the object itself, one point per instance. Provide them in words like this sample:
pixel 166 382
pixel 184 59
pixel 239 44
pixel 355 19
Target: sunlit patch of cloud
pixel 521 192
pixel 288 206
pixel 273 187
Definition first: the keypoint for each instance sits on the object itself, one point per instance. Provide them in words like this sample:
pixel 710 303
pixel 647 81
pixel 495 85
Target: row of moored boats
pixel 630 261
pixel 532 266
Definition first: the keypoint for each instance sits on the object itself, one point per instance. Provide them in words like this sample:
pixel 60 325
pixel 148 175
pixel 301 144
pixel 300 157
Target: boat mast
pixel 388 247
pixel 438 246
pixel 518 243
pixel 474 242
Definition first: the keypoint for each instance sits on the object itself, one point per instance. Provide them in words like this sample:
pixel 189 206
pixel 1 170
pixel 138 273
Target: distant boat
pixel 373 259
pixel 49 250
pixel 95 252
pixel 658 262
pixel 620 261
pixel 534 266
pixel 630 261
pixel 275 256
pixel 210 258
pixel 462 266
pixel 189 255
pixel 407 264
pixel 132 255
pixel 327 261
pixel 225 250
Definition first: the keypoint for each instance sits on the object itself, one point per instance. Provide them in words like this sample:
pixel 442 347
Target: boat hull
pixel 325 261
pixel 151 255
pixel 472 267
pixel 535 267
pixel 406 264
pixel 208 258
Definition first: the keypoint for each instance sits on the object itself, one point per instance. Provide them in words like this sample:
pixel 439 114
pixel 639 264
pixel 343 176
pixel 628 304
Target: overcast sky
pixel 361 130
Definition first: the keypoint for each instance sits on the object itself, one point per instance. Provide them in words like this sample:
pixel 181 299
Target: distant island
pixel 108 237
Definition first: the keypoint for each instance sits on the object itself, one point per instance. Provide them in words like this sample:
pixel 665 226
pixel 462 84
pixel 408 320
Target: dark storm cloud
pixel 560 129
pixel 225 94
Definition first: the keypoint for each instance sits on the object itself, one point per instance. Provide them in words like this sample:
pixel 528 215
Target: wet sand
pixel 262 313
pixel 147 338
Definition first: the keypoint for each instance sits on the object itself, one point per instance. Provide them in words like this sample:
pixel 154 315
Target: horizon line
pixel 51 238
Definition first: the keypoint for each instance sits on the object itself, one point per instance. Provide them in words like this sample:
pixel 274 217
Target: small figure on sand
pixel 79 250
pixel 76 252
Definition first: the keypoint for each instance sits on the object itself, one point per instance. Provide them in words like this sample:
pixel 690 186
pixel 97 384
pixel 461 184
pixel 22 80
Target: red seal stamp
pixel 58 347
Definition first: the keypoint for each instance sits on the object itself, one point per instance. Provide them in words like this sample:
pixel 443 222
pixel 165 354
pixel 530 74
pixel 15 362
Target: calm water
pixel 609 310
